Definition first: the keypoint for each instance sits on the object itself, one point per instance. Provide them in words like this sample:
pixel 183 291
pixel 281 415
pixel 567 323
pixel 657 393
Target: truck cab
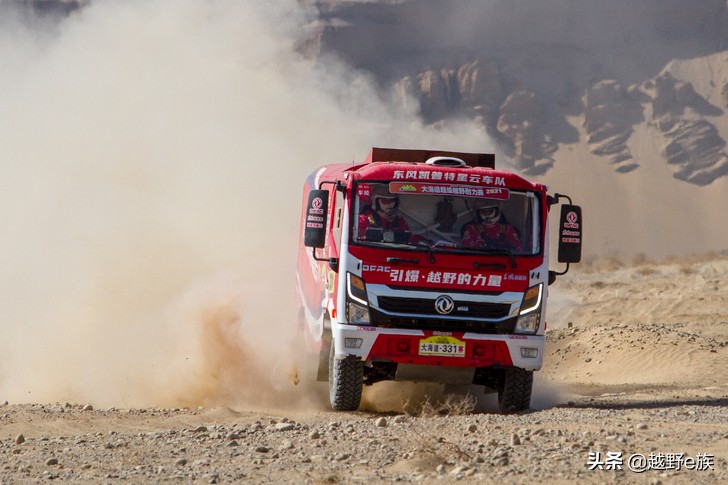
pixel 427 266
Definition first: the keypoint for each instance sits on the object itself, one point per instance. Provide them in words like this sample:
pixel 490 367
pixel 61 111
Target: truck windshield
pixel 446 219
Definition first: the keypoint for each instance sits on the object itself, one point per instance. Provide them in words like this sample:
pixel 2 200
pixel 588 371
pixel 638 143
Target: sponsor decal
pixel 437 176
pixel 499 193
pixel 385 274
pixel 376 268
pixel 572 221
pixel 315 217
pixel 568 233
pixel 364 190
pixel 515 277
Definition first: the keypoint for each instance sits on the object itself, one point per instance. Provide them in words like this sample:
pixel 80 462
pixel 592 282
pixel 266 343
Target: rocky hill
pixel 538 76
pixel 542 75
pixel 31 10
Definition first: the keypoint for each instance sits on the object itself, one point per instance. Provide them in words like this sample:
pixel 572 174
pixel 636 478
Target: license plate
pixel 441 345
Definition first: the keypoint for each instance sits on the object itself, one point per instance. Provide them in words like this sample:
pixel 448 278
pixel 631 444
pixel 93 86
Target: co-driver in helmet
pixel 490 230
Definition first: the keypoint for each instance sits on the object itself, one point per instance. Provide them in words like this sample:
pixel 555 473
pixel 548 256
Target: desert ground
pixel 633 390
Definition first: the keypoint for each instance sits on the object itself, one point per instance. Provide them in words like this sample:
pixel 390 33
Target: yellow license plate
pixel 442 345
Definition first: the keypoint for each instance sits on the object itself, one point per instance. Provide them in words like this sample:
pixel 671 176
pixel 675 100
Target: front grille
pixel 425 306
pixel 420 313
pixel 380 319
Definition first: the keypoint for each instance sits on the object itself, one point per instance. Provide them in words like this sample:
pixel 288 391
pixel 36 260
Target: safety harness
pixel 376 219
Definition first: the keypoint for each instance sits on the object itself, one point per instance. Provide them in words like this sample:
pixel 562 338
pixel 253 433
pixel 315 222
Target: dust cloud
pixel 152 157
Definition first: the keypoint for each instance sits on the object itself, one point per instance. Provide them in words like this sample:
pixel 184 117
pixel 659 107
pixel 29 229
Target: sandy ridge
pixel 635 365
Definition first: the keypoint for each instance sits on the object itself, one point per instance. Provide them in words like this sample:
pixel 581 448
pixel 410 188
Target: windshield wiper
pixel 504 252
pixel 488 252
pixel 416 247
pixel 431 256
pixel 395 260
pixel 429 251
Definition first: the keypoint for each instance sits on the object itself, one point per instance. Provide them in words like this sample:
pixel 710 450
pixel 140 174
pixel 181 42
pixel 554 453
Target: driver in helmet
pixel 490 231
pixel 382 222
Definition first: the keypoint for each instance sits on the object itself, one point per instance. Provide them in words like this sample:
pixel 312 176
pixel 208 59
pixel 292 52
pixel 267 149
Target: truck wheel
pixel 346 379
pixel 515 393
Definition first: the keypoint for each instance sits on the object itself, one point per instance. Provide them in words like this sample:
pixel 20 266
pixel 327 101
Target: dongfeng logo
pixel 444 304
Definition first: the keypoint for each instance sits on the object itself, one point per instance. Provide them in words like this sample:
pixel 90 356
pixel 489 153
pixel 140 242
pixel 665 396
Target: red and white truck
pixel 427 266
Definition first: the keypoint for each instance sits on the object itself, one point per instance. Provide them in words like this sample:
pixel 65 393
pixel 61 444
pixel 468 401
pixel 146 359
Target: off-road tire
pixel 346 379
pixel 515 393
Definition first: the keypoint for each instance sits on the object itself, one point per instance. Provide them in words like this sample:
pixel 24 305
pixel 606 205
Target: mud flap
pixel 323 358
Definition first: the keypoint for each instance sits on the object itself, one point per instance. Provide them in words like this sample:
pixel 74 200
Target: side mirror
pixel 570 233
pixel 317 210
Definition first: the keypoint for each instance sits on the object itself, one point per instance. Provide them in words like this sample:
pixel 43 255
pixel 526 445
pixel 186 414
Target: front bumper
pixel 404 346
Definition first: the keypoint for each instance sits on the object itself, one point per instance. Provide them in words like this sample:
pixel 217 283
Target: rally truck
pixel 414 302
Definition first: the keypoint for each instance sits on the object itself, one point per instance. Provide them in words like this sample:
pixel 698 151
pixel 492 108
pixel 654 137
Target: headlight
pixel 357 314
pixel 356 289
pixel 357 307
pixel 529 317
pixel 528 323
pixel 531 300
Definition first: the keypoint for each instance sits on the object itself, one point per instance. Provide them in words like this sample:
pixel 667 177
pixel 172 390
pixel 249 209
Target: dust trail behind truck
pixel 427 266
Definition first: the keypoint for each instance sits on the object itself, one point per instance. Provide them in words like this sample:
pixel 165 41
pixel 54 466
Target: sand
pixel 635 364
